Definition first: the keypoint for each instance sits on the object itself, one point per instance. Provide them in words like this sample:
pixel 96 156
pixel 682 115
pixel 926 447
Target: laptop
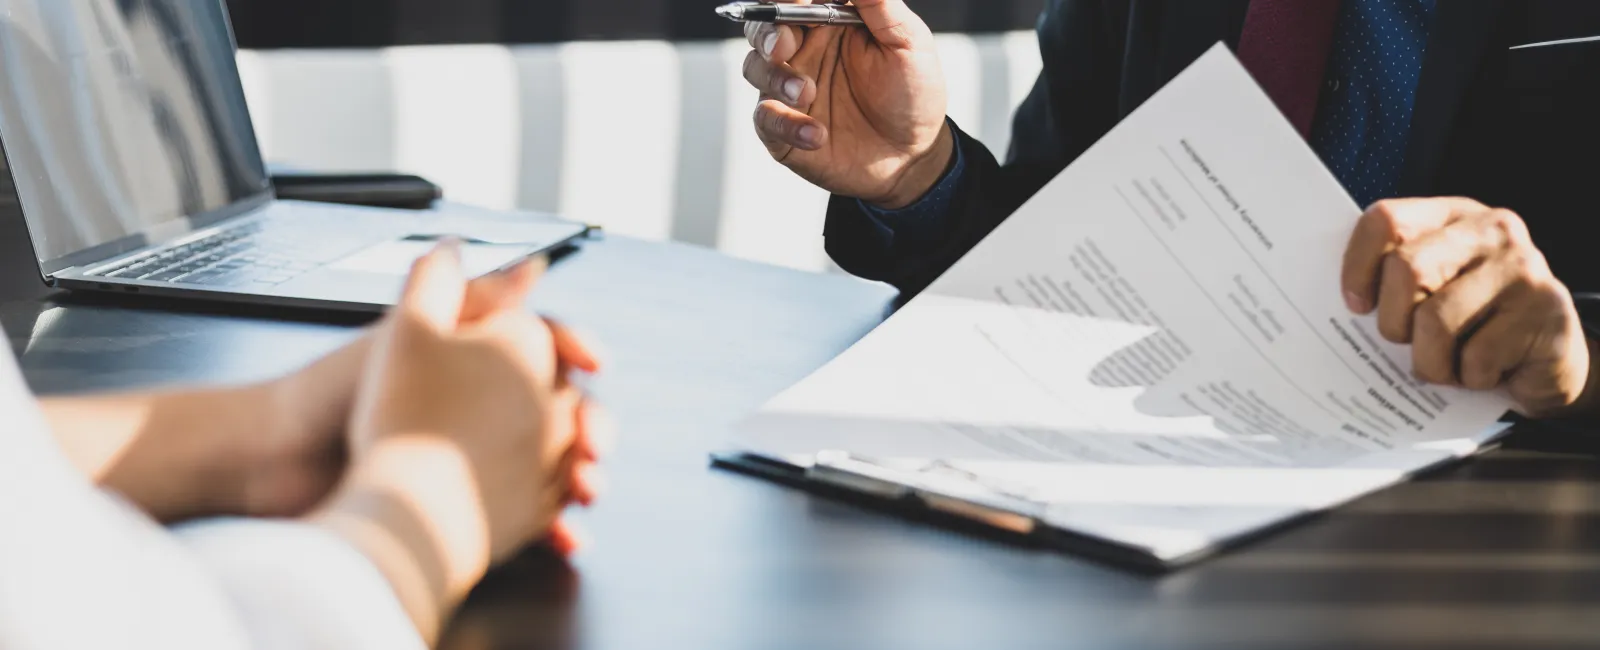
pixel 127 146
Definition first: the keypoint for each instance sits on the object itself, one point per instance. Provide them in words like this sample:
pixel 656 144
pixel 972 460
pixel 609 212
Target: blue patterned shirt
pixel 1364 118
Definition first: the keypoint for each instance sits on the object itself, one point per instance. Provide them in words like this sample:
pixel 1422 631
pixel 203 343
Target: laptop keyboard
pixel 236 257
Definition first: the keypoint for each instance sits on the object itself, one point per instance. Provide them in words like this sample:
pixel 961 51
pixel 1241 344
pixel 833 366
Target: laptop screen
pixel 121 117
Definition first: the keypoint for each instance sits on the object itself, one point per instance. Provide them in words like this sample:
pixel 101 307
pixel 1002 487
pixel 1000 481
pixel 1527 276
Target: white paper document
pixel 1153 351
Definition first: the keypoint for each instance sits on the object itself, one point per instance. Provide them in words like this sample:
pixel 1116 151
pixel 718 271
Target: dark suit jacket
pixel 1512 128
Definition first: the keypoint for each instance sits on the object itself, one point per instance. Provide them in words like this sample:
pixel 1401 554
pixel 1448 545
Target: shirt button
pixel 1334 84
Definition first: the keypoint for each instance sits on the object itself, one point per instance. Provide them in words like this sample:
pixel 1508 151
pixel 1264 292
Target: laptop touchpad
pixel 395 257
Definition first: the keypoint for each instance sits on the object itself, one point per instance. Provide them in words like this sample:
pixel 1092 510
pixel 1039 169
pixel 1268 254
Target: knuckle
pixel 1432 322
pixel 776 124
pixel 1541 290
pixel 902 32
pixel 1406 265
pixel 769 136
pixel 774 84
pixel 1523 267
pixel 1384 217
pixel 1478 370
pixel 1509 229
pixel 1532 271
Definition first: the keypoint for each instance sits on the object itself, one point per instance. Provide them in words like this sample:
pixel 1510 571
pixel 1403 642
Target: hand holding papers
pixel 1153 352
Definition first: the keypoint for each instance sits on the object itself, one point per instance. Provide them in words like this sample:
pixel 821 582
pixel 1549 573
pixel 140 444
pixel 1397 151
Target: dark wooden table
pixel 1502 552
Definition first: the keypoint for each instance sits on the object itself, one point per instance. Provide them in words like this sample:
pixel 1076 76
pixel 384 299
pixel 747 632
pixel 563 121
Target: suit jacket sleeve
pixel 1073 103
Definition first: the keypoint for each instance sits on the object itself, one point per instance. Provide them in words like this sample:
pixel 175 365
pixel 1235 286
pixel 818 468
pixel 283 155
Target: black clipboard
pixel 861 484
pixel 978 510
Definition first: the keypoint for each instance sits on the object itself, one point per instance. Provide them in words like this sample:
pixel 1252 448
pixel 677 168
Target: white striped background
pixel 649 139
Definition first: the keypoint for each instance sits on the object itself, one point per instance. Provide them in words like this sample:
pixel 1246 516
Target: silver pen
pixel 790 14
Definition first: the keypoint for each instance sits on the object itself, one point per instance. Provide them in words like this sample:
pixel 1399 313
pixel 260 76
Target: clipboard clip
pixel 937 485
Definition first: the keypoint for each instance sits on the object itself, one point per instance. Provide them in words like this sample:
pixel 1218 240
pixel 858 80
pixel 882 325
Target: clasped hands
pixel 449 436
pixel 455 426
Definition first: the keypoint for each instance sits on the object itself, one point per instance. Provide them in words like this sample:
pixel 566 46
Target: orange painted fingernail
pixel 593 483
pixel 562 541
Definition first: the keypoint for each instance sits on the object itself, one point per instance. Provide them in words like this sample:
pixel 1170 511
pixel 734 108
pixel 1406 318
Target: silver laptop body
pixel 125 133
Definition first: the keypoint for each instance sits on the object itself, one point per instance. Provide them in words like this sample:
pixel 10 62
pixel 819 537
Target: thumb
pixel 437 288
pixel 894 24
pixel 502 291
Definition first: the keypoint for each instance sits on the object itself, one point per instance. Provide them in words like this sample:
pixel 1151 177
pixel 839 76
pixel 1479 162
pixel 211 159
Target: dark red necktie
pixel 1285 46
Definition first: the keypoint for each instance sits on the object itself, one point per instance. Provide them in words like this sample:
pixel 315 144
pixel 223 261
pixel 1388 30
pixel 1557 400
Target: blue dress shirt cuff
pixel 930 212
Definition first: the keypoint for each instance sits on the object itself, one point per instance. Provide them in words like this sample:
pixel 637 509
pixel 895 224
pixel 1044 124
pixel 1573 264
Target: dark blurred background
pixel 269 24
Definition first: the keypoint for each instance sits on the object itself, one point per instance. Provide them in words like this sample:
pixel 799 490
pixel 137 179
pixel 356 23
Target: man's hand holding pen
pixel 857 111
